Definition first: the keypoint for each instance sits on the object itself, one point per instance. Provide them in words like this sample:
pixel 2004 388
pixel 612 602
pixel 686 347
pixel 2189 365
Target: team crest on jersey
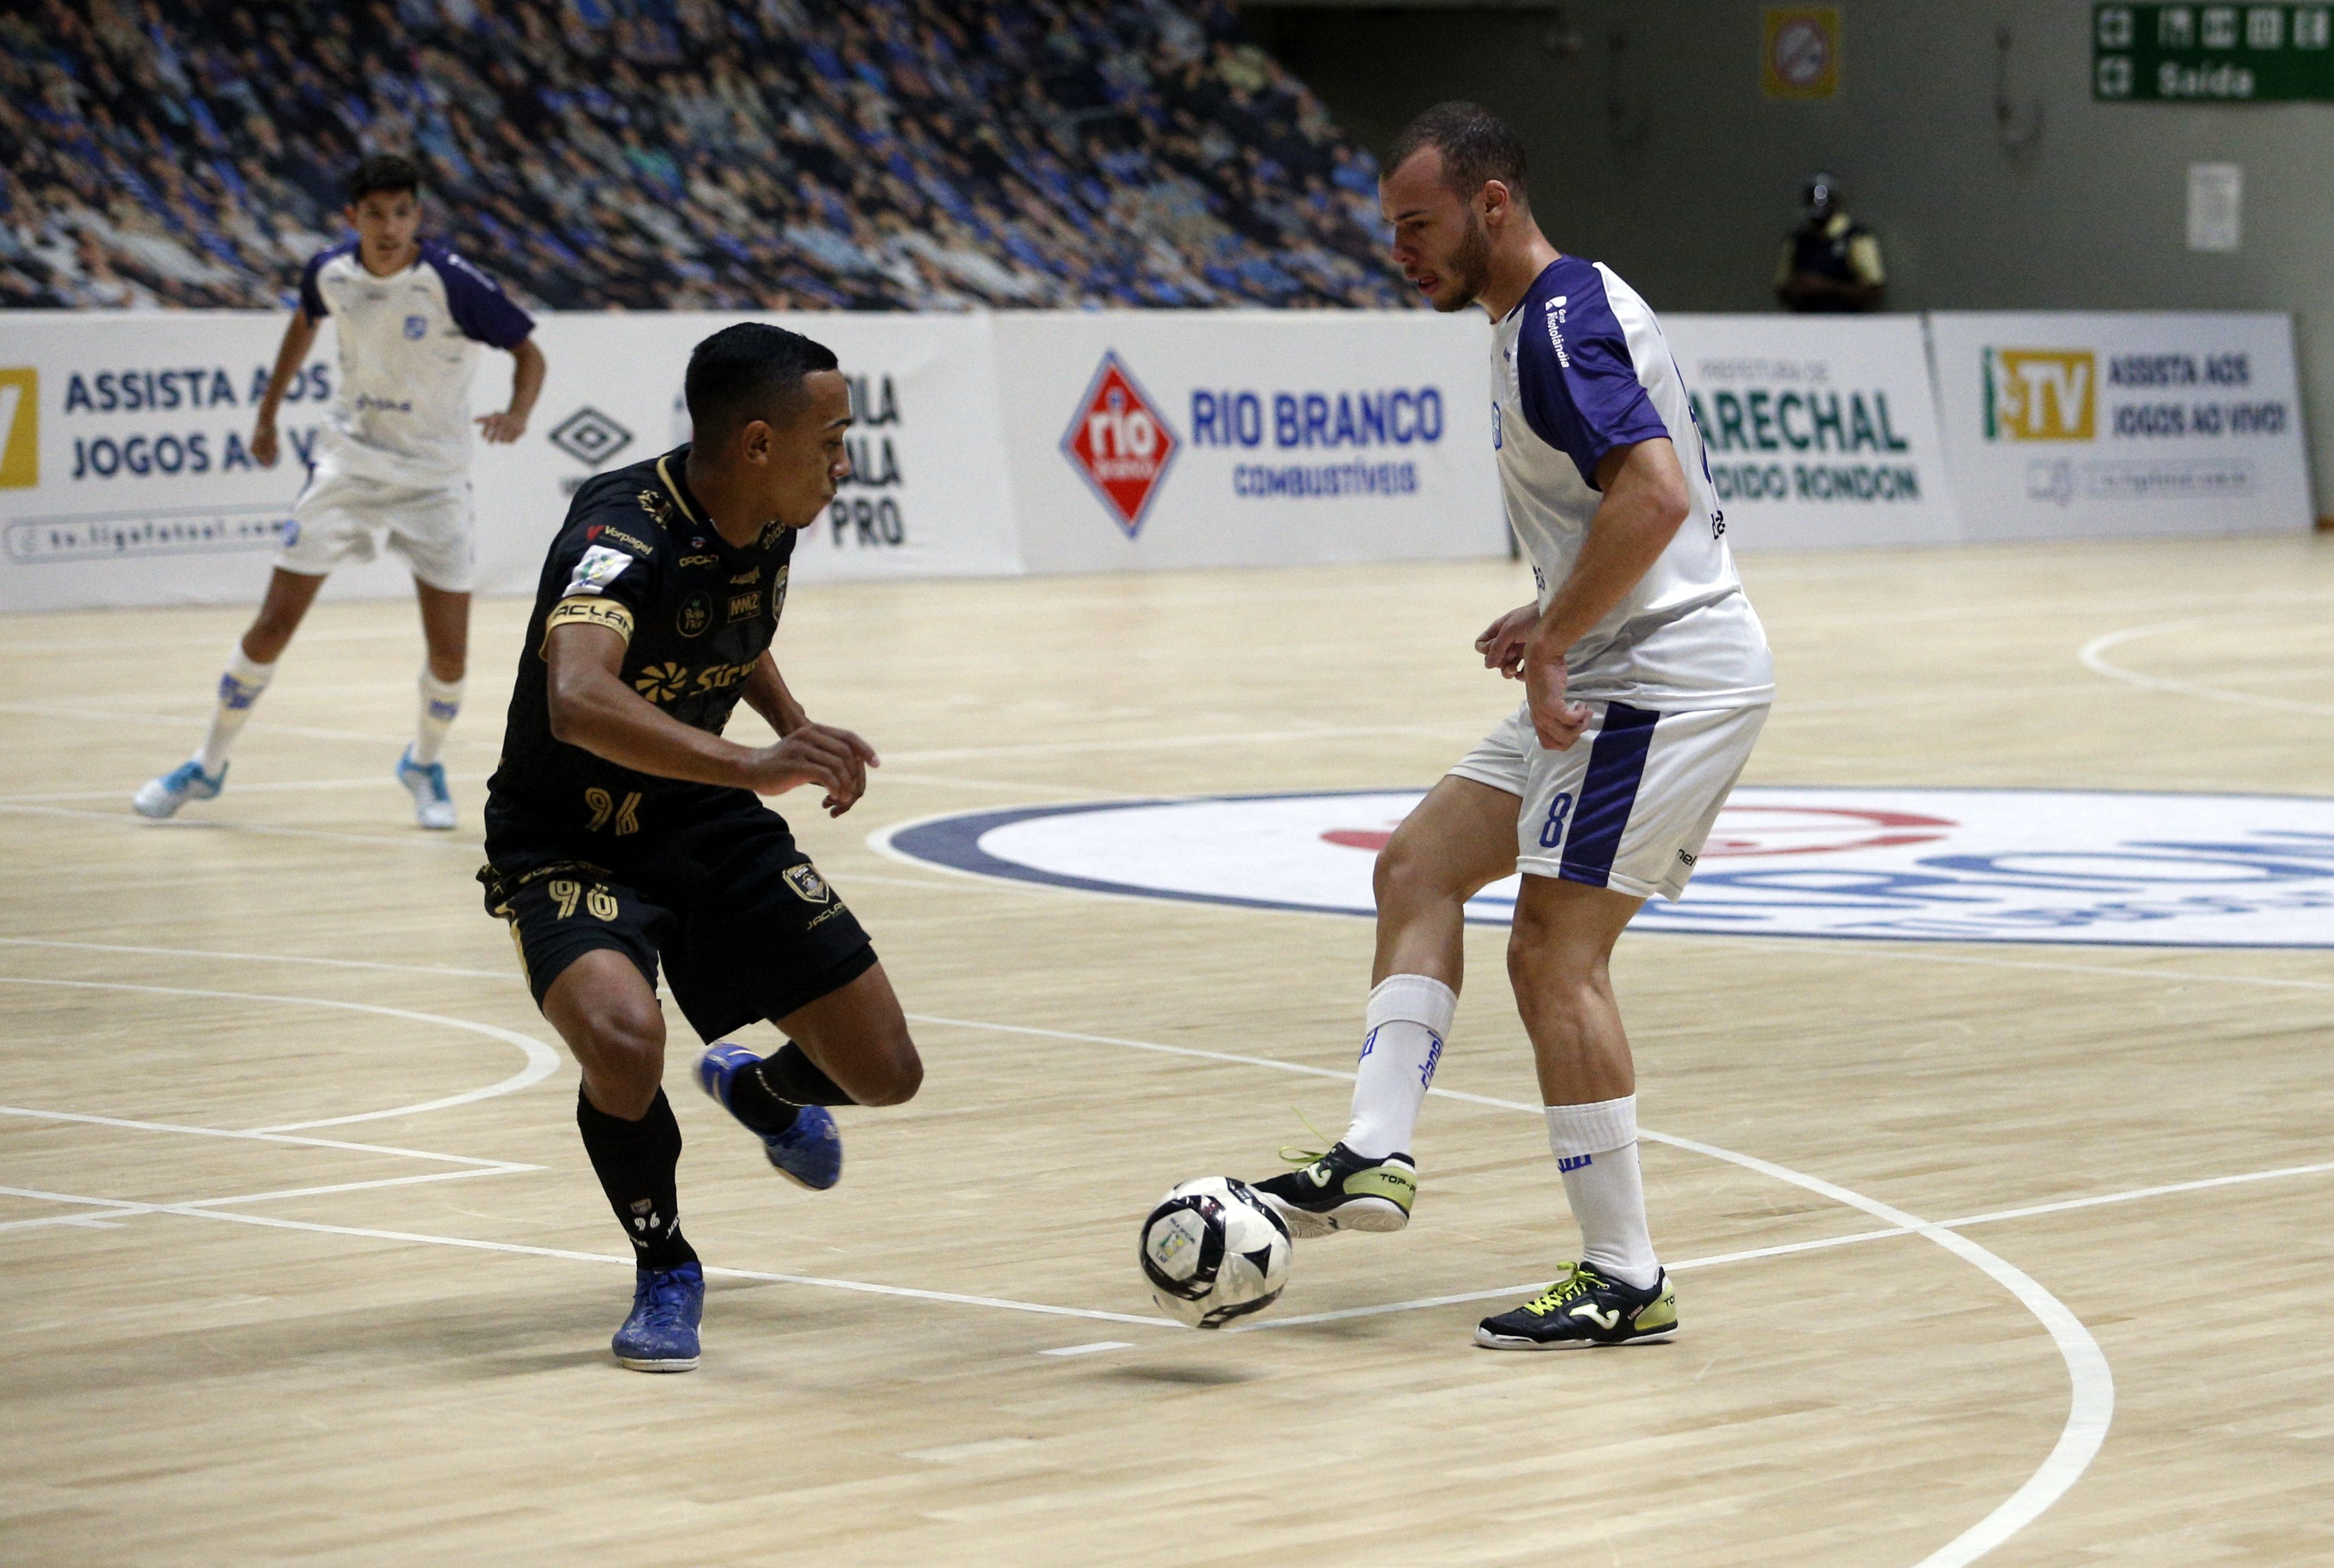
pixel 808 885
pixel 599 567
pixel 655 506
pixel 417 327
pixel 696 615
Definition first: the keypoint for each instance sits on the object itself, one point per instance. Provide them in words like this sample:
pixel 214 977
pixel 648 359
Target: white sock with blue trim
pixel 442 701
pixel 1596 1148
pixel 1408 1019
pixel 238 688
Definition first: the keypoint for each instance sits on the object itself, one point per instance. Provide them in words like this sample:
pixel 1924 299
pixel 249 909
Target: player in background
pixel 392 457
pixel 621 828
pixel 1647 680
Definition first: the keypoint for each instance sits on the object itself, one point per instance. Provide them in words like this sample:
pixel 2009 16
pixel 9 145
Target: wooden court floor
pixel 300 1259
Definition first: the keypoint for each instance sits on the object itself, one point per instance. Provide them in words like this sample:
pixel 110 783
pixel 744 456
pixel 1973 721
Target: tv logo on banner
pixel 2041 395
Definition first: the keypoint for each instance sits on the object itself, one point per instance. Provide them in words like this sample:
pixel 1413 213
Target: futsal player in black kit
pixel 622 829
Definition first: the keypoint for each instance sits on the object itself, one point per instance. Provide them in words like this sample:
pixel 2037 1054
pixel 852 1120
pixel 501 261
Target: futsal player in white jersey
pixel 392 458
pixel 1646 678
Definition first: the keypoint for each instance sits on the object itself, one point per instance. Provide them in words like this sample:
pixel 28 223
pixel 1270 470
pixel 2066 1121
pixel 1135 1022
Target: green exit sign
pixel 2212 53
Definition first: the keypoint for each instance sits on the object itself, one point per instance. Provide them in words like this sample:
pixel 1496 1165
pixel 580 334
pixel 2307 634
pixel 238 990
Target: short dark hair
pixel 388 171
pixel 750 372
pixel 1476 146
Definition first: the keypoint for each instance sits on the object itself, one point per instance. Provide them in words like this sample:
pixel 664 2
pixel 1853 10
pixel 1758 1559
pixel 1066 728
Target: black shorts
pixel 747 928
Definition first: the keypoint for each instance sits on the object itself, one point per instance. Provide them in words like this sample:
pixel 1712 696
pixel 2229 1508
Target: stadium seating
pixel 674 154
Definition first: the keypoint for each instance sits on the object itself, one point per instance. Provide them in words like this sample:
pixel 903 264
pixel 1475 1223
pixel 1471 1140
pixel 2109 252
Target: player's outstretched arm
pixel 1646 500
pixel 299 337
pixel 527 385
pixel 591 708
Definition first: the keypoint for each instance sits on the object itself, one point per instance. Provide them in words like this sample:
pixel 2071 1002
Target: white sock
pixel 441 701
pixel 1596 1148
pixel 238 688
pixel 1408 1019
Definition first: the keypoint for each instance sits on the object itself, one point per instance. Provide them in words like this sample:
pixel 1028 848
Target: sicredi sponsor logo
pixel 1120 444
pixel 20 429
pixel 1943 865
pixel 2041 395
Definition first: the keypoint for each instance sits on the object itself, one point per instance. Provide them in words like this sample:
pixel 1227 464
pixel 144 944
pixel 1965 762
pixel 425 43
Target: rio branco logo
pixel 20 429
pixel 1120 444
pixel 2041 394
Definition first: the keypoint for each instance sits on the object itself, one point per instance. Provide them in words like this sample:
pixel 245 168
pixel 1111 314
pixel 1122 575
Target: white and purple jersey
pixel 1578 369
pixel 409 345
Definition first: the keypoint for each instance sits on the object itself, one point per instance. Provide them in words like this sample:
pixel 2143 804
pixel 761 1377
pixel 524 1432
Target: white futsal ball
pixel 1214 1251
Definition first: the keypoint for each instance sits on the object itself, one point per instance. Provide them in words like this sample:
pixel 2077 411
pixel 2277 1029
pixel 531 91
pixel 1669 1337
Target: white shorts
pixel 339 515
pixel 1628 806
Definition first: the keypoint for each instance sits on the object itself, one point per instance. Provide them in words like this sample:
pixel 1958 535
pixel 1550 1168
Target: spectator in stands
pixel 1830 263
pixel 732 154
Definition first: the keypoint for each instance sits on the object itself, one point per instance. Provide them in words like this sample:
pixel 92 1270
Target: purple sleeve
pixel 1578 385
pixel 480 309
pixel 312 299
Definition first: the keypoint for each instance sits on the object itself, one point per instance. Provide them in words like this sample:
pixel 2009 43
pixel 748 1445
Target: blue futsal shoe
pixel 161 797
pixel 809 1153
pixel 660 1336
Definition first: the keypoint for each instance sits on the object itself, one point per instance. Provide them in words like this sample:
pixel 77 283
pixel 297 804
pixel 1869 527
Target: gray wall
pixel 1662 157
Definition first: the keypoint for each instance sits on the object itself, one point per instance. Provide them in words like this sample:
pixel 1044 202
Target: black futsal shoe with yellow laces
pixel 1342 1190
pixel 1582 1309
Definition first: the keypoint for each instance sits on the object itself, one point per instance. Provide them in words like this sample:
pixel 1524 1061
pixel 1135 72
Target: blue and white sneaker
pixel 161 797
pixel 809 1153
pixel 660 1336
pixel 433 806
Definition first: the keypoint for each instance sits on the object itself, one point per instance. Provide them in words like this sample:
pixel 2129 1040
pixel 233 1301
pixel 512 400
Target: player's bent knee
pixel 893 1076
pixel 1406 872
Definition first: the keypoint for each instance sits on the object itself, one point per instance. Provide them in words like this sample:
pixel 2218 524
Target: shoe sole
pixel 1371 1214
pixel 672 1365
pixel 805 1185
pixel 1492 1342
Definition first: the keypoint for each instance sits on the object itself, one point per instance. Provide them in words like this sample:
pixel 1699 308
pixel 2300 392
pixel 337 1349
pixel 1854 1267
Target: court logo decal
pixel 1916 865
pixel 1120 444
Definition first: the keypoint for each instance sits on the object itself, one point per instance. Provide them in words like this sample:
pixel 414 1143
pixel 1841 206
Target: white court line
pixel 711 1271
pixel 254 958
pixel 2091 1402
pixel 2093 655
pixel 2091 1384
pixel 1087 1350
pixel 419 839
pixel 260 1135
pixel 183 721
pixel 542 1062
pixel 126 1208
pixel 241 789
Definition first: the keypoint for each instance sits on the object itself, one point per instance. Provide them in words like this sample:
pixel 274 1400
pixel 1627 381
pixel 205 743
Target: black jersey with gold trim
pixel 639 555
